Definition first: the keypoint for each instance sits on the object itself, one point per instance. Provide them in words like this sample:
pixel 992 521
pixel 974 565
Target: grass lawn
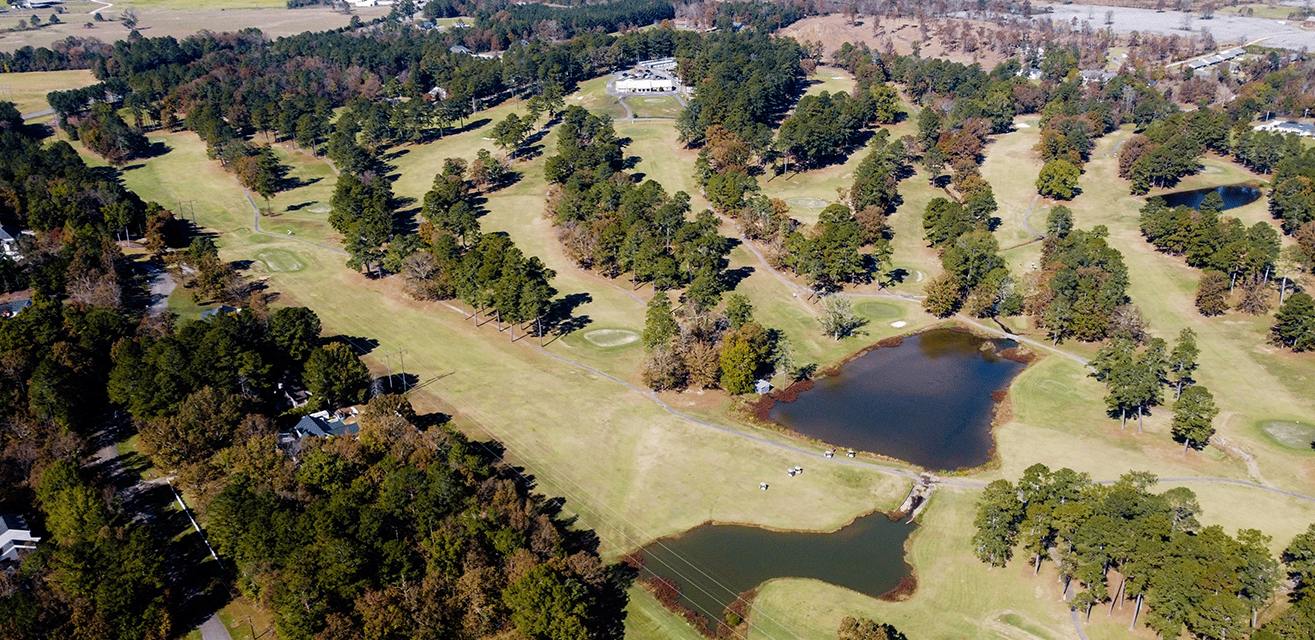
pixel 242 616
pixel 831 80
pixel 639 479
pixel 304 209
pixel 28 90
pixel 178 18
pixel 647 619
pixel 593 95
pixel 634 472
pixel 664 106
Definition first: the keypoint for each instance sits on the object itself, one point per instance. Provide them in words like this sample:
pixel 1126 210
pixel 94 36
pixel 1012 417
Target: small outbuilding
pixel 762 387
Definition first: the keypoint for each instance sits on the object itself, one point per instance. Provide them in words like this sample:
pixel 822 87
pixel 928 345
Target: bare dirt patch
pixel 834 30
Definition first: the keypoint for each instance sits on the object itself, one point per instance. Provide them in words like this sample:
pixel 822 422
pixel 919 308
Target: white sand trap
pixel 1022 125
pixel 837 77
pixel 607 338
pixel 898 324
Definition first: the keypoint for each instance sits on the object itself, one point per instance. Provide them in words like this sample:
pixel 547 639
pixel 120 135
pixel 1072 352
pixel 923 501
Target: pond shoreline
pixel 758 411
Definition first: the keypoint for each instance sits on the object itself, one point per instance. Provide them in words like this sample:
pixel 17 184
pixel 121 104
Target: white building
pixel 1287 126
pixel 14 535
pixel 651 85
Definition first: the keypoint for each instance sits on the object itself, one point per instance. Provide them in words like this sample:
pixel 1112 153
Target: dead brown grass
pixel 901 33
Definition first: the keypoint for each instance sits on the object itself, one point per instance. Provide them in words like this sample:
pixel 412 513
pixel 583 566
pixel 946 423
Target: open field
pixel 834 30
pixel 28 90
pixel 181 18
pixel 830 79
pixel 634 472
pixel 639 458
pixel 1225 27
pixel 664 106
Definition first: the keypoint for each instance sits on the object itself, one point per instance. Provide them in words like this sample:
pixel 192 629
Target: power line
pixel 583 504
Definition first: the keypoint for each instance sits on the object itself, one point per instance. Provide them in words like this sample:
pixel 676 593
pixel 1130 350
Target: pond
pixel 713 564
pixel 927 401
pixel 1234 195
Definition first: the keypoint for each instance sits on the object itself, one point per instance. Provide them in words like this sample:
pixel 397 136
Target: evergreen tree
pixel 1193 417
pixel 1182 361
pixel 659 323
pixel 1294 324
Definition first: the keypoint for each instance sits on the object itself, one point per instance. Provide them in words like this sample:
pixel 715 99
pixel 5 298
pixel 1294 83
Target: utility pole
pixel 401 355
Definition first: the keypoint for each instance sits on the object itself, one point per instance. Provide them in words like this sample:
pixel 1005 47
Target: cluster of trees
pixel 824 127
pixel 1189 577
pixel 96 574
pixel 449 257
pixel 1136 369
pixel 104 132
pixel 1065 146
pixel 1297 621
pixel 1292 200
pixel 961 230
pixel 743 81
pixel 707 348
pixel 508 22
pixel 1294 324
pixel 361 209
pixel 829 254
pixel 210 384
pixel 614 226
pixel 1171 148
pixel 1080 289
pixel 1228 251
pixel 863 629
pixel 407 533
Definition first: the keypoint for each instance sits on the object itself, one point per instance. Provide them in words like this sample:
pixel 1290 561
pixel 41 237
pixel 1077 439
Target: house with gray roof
pixel 9 242
pixel 11 308
pixel 323 425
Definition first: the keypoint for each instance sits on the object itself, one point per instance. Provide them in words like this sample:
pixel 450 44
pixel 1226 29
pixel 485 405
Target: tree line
pixel 1135 369
pixel 1080 287
pixel 1223 247
pixel 711 348
pixel 409 532
pixel 1120 543
pixel 611 225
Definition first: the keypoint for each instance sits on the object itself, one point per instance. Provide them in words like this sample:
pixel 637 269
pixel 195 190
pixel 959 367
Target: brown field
pixel 834 30
pixel 179 23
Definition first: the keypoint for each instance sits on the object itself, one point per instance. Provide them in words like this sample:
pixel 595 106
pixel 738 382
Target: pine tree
pixel 1193 416
pixel 659 323
pixel 1182 362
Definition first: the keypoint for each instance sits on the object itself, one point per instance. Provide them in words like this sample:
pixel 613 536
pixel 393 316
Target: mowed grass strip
pixel 28 90
pixel 630 470
pixel 957 596
pixel 659 106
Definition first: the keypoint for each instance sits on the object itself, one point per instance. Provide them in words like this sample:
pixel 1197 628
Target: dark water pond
pixel 927 401
pixel 715 563
pixel 1234 195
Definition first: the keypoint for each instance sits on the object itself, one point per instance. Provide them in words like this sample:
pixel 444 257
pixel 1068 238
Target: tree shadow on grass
pixel 561 320
pixel 361 346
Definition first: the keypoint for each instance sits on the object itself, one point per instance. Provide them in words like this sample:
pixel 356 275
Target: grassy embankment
pixel 633 472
